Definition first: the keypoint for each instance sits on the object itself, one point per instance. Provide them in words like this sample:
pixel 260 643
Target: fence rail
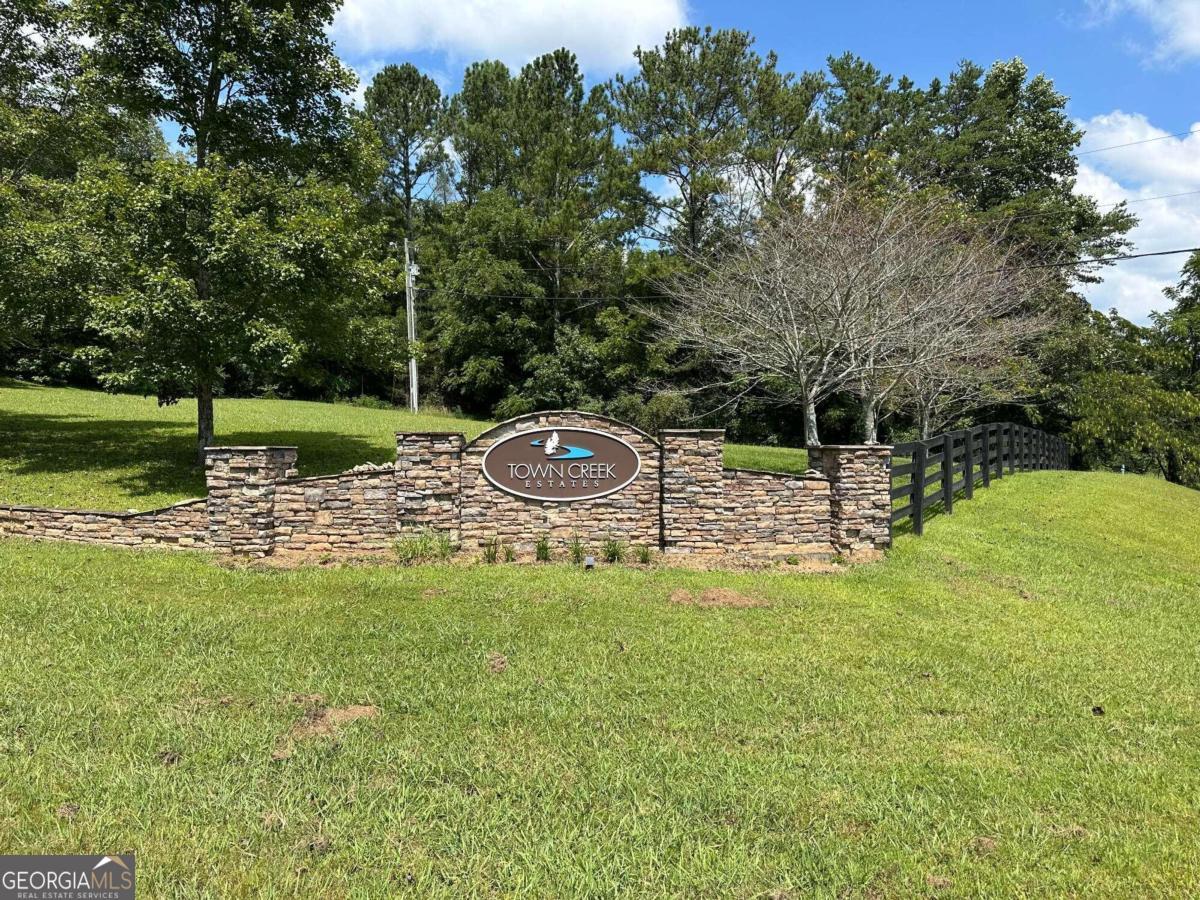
pixel 959 461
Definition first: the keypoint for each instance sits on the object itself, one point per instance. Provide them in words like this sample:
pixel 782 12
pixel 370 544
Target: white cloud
pixel 1176 24
pixel 1168 166
pixel 602 34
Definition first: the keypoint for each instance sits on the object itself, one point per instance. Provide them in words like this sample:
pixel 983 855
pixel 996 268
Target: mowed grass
pixel 927 725
pixel 66 447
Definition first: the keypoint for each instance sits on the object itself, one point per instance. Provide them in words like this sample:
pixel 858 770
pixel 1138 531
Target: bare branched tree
pixel 845 294
pixel 776 310
pixel 993 367
pixel 953 327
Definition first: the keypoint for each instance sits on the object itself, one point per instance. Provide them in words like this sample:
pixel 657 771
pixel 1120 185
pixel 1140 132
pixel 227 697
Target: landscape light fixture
pixel 589 562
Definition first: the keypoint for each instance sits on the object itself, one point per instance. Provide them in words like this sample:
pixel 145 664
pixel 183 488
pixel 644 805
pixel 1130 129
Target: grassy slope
pixel 923 725
pixel 84 449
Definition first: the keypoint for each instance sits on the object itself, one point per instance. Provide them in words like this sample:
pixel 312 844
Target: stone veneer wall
pixel 241 496
pixel 429 482
pixel 693 491
pixel 707 508
pixel 355 510
pixel 630 515
pixel 860 479
pixel 683 501
pixel 184 525
pixel 775 515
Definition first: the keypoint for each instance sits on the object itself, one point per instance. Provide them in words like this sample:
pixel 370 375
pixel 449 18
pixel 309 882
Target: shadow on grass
pixel 145 458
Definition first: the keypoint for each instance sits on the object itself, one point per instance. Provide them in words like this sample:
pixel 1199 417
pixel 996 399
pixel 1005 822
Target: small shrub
pixel 576 549
pixel 643 554
pixel 428 546
pixel 614 551
pixel 541 550
pixel 509 552
pixel 491 550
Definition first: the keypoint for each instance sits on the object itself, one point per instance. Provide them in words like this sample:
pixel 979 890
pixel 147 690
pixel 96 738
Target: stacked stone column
pixel 860 496
pixel 241 496
pixel 693 490
pixel 429 482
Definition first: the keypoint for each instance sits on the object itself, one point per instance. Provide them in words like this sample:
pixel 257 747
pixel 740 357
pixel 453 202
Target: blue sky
pixel 1130 67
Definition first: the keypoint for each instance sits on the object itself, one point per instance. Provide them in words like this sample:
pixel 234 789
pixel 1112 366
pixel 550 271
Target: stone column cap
pixel 852 447
pixel 429 434
pixel 697 431
pixel 263 447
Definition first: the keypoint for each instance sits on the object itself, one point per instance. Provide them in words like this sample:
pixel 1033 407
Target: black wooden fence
pixel 958 461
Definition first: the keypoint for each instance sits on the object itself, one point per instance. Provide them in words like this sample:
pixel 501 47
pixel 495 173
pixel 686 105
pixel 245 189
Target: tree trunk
pixel 870 420
pixel 204 420
pixel 925 424
pixel 811 437
pixel 1173 472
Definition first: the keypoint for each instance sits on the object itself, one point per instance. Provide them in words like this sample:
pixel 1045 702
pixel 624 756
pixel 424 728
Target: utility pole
pixel 411 316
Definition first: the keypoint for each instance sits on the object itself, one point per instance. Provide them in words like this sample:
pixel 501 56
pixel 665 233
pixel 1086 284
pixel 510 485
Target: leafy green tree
pixel 481 127
pixel 1133 419
pixel 256 90
pixel 220 268
pixel 1179 330
pixel 409 115
pixel 683 118
pixel 1003 143
pixel 51 119
pixel 782 132
pixel 1138 405
pixel 253 81
pixel 550 204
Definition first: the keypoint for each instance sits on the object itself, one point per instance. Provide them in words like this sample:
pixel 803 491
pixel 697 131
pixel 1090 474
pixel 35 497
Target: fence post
pixel 918 496
pixel 1001 430
pixel 948 471
pixel 968 464
pixel 985 455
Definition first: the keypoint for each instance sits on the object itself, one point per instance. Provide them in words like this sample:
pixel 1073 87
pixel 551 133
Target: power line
pixel 1088 262
pixel 1148 199
pixel 1136 143
pixel 1049 213
pixel 1123 256
pixel 584 302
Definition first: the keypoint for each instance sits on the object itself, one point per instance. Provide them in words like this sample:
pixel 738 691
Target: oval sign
pixel 561 464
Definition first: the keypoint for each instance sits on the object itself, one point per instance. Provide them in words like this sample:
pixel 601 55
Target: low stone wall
pixel 681 499
pixel 775 515
pixel 352 511
pixel 184 525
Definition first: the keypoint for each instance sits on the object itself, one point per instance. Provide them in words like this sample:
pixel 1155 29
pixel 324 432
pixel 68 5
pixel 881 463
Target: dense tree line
pixel 549 218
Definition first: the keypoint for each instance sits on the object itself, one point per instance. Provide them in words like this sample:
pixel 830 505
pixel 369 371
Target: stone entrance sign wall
pixel 560 476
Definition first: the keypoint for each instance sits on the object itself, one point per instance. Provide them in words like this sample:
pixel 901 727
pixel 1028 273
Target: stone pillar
pixel 693 490
pixel 860 496
pixel 429 482
pixel 241 496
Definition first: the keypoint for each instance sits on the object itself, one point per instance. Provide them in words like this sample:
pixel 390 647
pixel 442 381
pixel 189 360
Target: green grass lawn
pixel 85 449
pixel 920 726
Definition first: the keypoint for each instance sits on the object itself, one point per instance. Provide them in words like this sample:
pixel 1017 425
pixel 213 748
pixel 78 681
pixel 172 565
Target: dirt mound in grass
pixel 319 721
pixel 716 597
